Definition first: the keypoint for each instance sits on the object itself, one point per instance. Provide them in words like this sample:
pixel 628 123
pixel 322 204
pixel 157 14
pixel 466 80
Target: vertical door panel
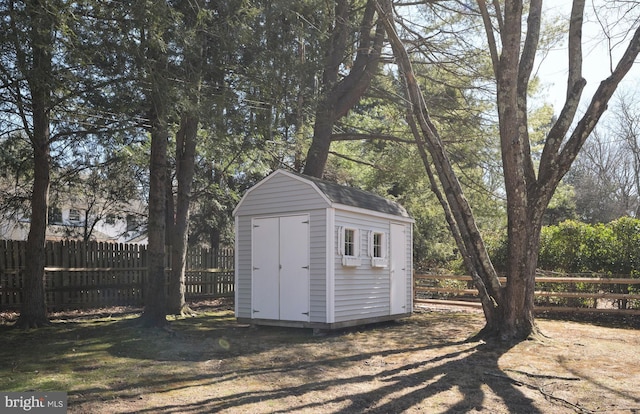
pixel 265 275
pixel 280 249
pixel 294 268
pixel 398 269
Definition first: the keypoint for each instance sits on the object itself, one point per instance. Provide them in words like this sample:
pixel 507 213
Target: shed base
pixel 322 325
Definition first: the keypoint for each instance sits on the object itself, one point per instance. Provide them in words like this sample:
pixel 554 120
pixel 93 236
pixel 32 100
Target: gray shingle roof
pixel 355 197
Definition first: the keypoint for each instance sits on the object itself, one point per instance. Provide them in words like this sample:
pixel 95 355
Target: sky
pixel 596 62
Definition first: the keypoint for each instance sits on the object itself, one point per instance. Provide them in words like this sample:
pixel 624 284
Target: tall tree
pixel 194 49
pixel 185 166
pixel 155 28
pixel 209 44
pixel 30 42
pixel 359 49
pixel 258 88
pixel 508 308
pixel 48 78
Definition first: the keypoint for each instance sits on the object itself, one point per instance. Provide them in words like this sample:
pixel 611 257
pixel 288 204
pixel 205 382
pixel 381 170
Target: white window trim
pixel 380 261
pixel 349 260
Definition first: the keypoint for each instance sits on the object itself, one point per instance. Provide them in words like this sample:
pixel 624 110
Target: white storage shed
pixel 312 253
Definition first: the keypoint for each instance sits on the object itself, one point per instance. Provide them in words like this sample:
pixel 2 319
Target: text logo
pixel 33 402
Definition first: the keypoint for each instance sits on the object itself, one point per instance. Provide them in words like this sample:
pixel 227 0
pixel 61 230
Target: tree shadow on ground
pixel 466 372
pixel 627 395
pixel 383 368
pixel 210 363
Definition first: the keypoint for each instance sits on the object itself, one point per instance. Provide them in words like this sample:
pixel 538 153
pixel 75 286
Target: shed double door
pixel 280 262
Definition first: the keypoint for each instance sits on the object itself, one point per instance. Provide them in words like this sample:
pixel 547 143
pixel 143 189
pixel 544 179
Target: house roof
pixel 354 197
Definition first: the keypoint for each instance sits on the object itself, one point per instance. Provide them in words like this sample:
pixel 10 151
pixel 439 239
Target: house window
pixel 55 215
pixel 132 223
pixel 74 215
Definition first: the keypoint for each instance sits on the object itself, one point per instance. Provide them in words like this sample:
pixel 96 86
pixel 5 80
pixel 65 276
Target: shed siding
pixel 361 291
pixel 318 271
pixel 243 269
pixel 278 195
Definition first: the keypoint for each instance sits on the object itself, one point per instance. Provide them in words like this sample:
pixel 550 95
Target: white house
pixel 69 220
pixel 311 253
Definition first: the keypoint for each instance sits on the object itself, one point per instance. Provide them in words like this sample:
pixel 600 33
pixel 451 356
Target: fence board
pixel 542 279
pixel 428 285
pixel 84 275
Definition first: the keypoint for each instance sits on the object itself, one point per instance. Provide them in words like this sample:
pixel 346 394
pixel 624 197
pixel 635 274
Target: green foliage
pixel 562 205
pixel 16 174
pixel 496 243
pixel 572 246
pixel 626 250
pixel 575 247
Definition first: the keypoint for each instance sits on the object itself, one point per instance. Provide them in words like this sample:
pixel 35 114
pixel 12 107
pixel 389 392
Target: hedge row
pixel 575 247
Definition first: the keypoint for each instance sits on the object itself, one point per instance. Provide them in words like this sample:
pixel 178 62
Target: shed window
pixel 349 246
pixel 349 242
pixel 378 249
pixel 377 245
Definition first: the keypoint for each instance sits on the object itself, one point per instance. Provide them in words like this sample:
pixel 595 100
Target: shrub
pixel 575 247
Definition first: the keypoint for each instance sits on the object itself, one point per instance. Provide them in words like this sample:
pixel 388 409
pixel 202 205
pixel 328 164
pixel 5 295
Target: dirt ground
pixel 421 364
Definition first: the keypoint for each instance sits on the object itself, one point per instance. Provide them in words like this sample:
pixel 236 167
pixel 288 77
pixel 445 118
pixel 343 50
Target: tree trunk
pixel 185 160
pixel 509 310
pixel 457 209
pixel 517 320
pixel 340 96
pixel 155 293
pixel 34 310
pixel 319 150
pixel 186 141
pixel 155 288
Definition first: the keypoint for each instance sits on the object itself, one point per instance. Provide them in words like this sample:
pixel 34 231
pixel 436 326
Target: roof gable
pixel 335 195
pixel 354 197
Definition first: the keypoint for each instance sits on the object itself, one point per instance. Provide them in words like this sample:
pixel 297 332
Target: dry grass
pixel 422 364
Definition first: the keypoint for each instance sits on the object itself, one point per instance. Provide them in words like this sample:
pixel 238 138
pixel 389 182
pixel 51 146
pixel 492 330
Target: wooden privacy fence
pixel 96 274
pixel 554 292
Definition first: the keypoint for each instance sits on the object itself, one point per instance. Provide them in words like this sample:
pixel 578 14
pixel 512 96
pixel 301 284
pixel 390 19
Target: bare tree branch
pixel 461 218
pixel 488 28
pixel 358 137
pixel 597 107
